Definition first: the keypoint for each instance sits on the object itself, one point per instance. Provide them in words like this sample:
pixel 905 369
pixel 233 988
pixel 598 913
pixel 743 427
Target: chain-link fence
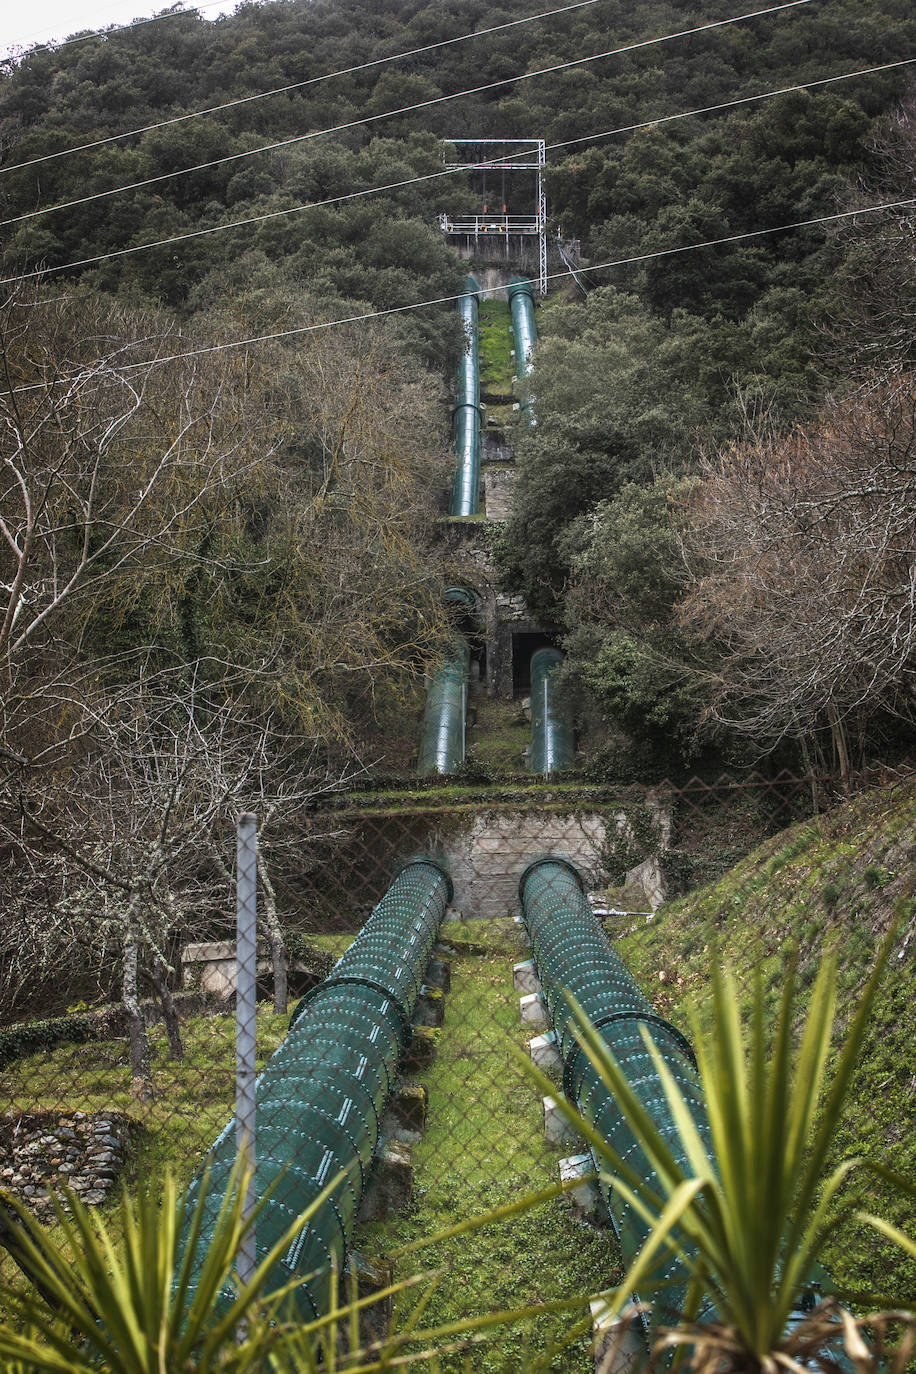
pixel 397 1061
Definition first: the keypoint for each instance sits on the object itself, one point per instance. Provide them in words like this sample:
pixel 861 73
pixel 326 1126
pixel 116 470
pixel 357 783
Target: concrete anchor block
pixel 390 1186
pixel 532 1009
pixel 406 1111
pixel 556 1127
pixel 544 1053
pixel 421 1051
pixel 519 935
pixel 618 1340
pixel 585 1197
pixel 524 977
pixel 372 1275
pixel 438 974
pixel 430 1008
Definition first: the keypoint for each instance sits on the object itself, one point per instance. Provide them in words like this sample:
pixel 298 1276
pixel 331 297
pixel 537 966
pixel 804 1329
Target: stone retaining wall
pixel 43 1152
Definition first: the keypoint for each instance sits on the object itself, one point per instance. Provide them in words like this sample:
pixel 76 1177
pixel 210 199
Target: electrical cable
pixel 456 171
pixel 299 85
pixel 368 315
pixel 404 109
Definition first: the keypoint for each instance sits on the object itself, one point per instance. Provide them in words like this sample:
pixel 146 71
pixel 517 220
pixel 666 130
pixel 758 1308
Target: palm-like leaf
pixel 749 1221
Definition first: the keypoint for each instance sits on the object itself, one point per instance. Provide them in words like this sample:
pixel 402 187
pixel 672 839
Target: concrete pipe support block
pixel 544 1053
pixel 556 1127
pixel 618 1341
pixel 421 1051
pixel 430 1008
pixel 408 1106
pixel 533 1011
pixel 438 975
pixel 524 977
pixel 390 1187
pixel 585 1197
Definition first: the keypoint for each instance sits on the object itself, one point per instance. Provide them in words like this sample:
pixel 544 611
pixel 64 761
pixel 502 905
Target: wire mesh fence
pixel 397 1061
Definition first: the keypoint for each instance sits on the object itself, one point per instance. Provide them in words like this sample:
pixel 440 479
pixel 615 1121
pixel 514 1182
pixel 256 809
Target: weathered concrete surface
pixel 524 977
pixel 557 1128
pixel 499 491
pixel 584 1197
pixel 390 1186
pixel 544 1053
pixel 533 1010
pixel 618 1342
pixel 487 859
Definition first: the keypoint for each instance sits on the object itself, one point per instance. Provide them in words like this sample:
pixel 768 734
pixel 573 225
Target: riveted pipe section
pixel 442 739
pixel 573 957
pixel 321 1097
pixel 552 740
pixel 467 408
pixel 524 332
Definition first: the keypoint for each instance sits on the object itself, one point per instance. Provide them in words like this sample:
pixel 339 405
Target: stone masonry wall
pixel 487 860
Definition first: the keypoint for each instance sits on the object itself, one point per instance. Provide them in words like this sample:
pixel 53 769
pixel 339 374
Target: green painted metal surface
pixel 321 1096
pixel 524 332
pixel 572 956
pixel 552 737
pixel 442 737
pixel 467 409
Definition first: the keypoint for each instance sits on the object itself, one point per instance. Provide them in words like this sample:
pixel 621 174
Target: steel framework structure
pixel 531 156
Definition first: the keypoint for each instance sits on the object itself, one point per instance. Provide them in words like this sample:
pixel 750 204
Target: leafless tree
pixel 802 551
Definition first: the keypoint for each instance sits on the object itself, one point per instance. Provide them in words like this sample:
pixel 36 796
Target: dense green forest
pixel 233 550
pixel 671 357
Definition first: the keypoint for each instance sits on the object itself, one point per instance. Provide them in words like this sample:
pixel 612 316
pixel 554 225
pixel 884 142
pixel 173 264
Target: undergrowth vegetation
pixel 834 882
pixel 484 1146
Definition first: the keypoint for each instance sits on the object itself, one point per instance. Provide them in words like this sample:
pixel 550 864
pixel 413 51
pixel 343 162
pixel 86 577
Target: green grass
pixel 484 1146
pixel 499 736
pixel 814 886
pixel 497 366
pixel 194 1097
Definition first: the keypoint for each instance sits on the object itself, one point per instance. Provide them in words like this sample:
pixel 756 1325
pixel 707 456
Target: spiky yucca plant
pixel 750 1220
pixel 118 1298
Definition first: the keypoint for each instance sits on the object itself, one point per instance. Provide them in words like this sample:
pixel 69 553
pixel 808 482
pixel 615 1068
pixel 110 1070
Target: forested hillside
pixel 266 212
pixel 227 560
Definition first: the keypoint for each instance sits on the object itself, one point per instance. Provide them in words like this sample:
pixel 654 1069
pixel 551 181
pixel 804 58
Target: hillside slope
pixel 835 882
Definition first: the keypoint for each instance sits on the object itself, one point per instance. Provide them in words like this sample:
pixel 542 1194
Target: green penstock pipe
pixel 574 957
pixel 467 408
pixel 524 332
pixel 442 738
pixel 552 739
pixel 321 1097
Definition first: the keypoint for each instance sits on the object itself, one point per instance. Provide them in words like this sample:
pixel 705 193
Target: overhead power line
pixel 406 109
pixel 300 85
pixel 367 315
pixel 447 172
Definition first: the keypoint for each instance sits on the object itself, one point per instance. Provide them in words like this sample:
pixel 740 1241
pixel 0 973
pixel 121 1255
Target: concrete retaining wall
pixel 487 860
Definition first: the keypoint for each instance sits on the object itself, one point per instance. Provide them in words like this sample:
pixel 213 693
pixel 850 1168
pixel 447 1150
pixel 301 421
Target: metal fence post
pixel 245 1010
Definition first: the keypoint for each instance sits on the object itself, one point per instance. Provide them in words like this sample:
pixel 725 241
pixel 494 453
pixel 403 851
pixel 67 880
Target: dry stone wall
pixel 44 1152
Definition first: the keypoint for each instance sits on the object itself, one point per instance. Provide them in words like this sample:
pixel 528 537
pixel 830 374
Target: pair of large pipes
pixel 321 1097
pixel 443 733
pixel 467 413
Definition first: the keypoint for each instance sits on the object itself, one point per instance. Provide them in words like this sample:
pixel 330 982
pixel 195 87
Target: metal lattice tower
pixel 509 155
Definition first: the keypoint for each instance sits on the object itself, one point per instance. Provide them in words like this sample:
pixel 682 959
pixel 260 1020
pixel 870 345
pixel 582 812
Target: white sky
pixel 24 22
